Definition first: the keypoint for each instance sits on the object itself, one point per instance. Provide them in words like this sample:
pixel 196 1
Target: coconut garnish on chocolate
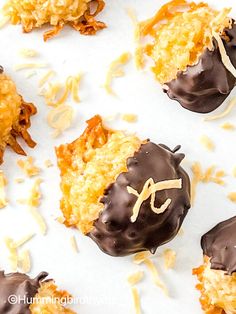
pixel 20 294
pixel 193 48
pixel 126 194
pixel 79 14
pixel 15 116
pixel 217 275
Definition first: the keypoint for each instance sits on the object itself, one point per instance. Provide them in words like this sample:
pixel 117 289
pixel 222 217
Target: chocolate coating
pixel 21 286
pixel 1 69
pixel 204 87
pixel 219 244
pixel 114 233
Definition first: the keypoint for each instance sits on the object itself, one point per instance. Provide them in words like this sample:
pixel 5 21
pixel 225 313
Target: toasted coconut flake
pixel 78 14
pixel 129 117
pixel 22 241
pixel 207 142
pixel 140 257
pixel 226 112
pixel 155 275
pixel 46 77
pixel 135 278
pixel 115 70
pixel 3 182
pixel 232 197
pixel 227 126
pixel 149 189
pixel 28 53
pixel 74 244
pixel 13 255
pixel 60 118
pixel 224 57
pixel 136 299
pixel 205 177
pixel 24 262
pixel 169 258
pixel 24 66
pixel 48 163
pixel 28 167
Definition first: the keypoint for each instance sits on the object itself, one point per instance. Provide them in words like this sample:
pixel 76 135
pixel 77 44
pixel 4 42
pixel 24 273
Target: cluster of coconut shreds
pixel 218 290
pixel 14 117
pixel 98 153
pixel 180 32
pixel 50 300
pixel 80 14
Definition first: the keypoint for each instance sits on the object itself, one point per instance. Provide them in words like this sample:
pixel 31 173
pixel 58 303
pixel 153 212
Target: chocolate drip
pixel 204 87
pixel 219 244
pixel 114 233
pixel 20 286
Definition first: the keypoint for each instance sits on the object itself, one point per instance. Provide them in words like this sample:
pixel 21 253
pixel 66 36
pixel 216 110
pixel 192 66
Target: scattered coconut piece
pixel 227 126
pixel 136 299
pixel 155 276
pixel 28 53
pixel 226 112
pixel 74 244
pixel 135 278
pixel 140 257
pixel 24 261
pixel 169 256
pixel 28 167
pixel 24 66
pixel 3 182
pixel 48 163
pixel 232 197
pixel 13 256
pixel 115 70
pixel 60 118
pixel 46 77
pixel 129 117
pixel 61 219
pixel 207 143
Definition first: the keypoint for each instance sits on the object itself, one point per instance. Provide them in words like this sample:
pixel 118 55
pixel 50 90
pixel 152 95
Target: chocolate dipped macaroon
pixel 193 50
pixel 126 194
pixel 217 275
pixel 15 116
pixel 20 294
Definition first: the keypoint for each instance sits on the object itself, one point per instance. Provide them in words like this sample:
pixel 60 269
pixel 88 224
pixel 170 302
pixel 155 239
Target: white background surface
pixel 91 274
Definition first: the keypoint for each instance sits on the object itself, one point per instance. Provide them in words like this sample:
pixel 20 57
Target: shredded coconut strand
pixel 136 300
pixel 169 258
pixel 24 262
pixel 74 244
pixel 28 53
pixel 115 70
pixel 24 66
pixel 207 142
pixel 227 126
pixel 155 276
pixel 149 189
pixel 28 167
pixel 46 77
pixel 129 117
pixel 3 182
pixel 227 111
pixel 224 57
pixel 140 257
pixel 135 278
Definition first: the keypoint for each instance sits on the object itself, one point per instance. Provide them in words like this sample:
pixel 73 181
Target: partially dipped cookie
pixel 193 49
pixel 128 195
pixel 217 275
pixel 15 116
pixel 20 294
pixel 33 14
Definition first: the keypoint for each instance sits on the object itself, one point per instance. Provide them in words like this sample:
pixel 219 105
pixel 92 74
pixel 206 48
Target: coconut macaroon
pixel 128 195
pixel 21 294
pixel 194 53
pixel 15 116
pixel 217 275
pixel 80 14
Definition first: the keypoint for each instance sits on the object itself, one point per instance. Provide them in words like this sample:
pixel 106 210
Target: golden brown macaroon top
pixel 88 166
pixel 180 33
pixel 14 117
pixel 218 290
pixel 80 14
pixel 50 300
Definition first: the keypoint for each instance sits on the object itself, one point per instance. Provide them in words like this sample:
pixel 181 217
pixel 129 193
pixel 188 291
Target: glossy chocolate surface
pixel 219 244
pixel 114 232
pixel 204 87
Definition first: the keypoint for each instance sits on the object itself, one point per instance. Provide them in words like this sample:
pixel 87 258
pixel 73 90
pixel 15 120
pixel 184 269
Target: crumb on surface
pixel 207 143
pixel 28 167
